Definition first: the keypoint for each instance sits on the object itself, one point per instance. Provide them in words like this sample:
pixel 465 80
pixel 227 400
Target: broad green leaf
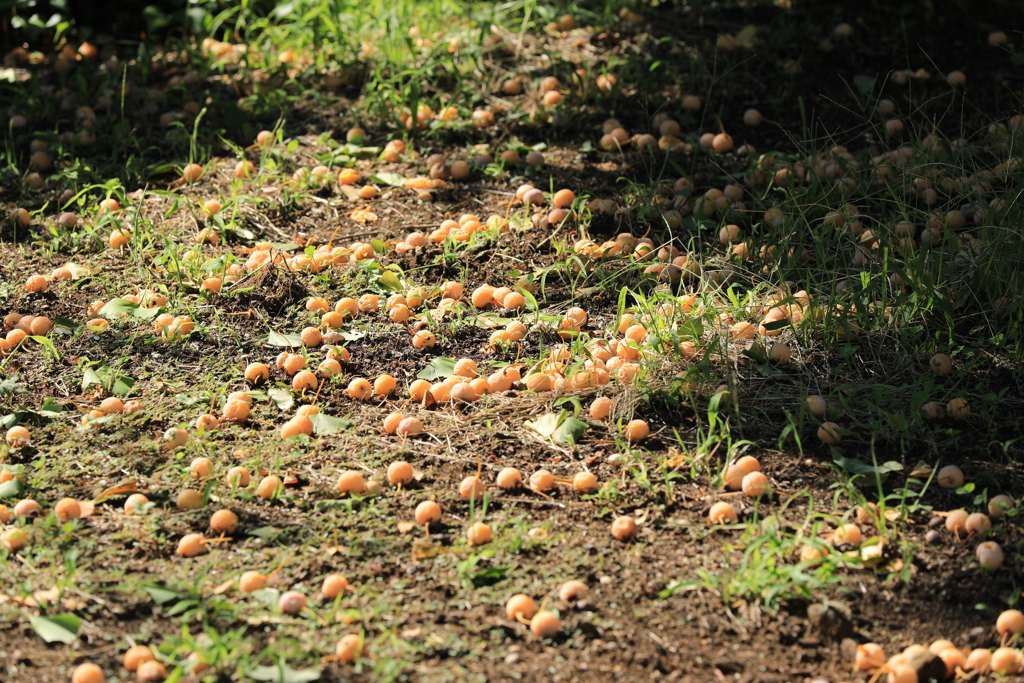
pixel 574 401
pixel 265 532
pixel 241 232
pixel 771 371
pixel 282 397
pixel 392 179
pixel 213 265
pixel 284 340
pixel 193 399
pixel 50 408
pixel 122 385
pixel 570 430
pixel 117 307
pixel 864 83
pixel 855 466
pixel 12 488
pixel 691 328
pixel 378 246
pixel 270 597
pixel 161 594
pixel 745 38
pixel 437 369
pixel 60 628
pixel 64 325
pixel 390 280
pixel 282 673
pixel 90 377
pixel 325 425
pixel 777 325
pixel 756 353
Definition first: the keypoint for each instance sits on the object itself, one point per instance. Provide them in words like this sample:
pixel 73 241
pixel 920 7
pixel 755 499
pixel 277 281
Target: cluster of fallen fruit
pixel 744 474
pixel 942 660
pixel 562 368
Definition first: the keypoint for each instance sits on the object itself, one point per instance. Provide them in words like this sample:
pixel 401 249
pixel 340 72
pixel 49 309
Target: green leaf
pixel 756 353
pixel 118 307
pixel 193 399
pixel 351 336
pixel 864 83
pixel 265 532
pixel 89 377
pixel 147 312
pixel 691 328
pixel 325 425
pixel 268 596
pixel 50 408
pixel 282 397
pixel 771 371
pixel 60 628
pixel 122 385
pixel 389 279
pixel 161 594
pixel 777 325
pixel 378 246
pixel 213 265
pixel 438 368
pixel 282 673
pixel 284 340
pixel 11 489
pixel 745 38
pixel 64 325
pixel 546 424
pixel 855 466
pixel 570 430
pixel 392 179
pixel 574 401
pixel 45 342
pixel 531 300
pixel 241 232
pixel 11 385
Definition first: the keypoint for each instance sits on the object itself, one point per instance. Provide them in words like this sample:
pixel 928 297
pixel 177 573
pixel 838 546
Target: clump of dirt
pixel 273 290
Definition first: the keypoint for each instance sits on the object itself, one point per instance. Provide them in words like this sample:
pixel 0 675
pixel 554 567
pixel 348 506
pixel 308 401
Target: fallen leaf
pixel 405 527
pixel 224 587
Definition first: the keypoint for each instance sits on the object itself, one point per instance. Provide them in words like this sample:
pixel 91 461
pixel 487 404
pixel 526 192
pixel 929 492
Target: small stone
pixel 832 621
pixel 936 521
pixel 932 537
pixel 927 665
pixel 512 658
